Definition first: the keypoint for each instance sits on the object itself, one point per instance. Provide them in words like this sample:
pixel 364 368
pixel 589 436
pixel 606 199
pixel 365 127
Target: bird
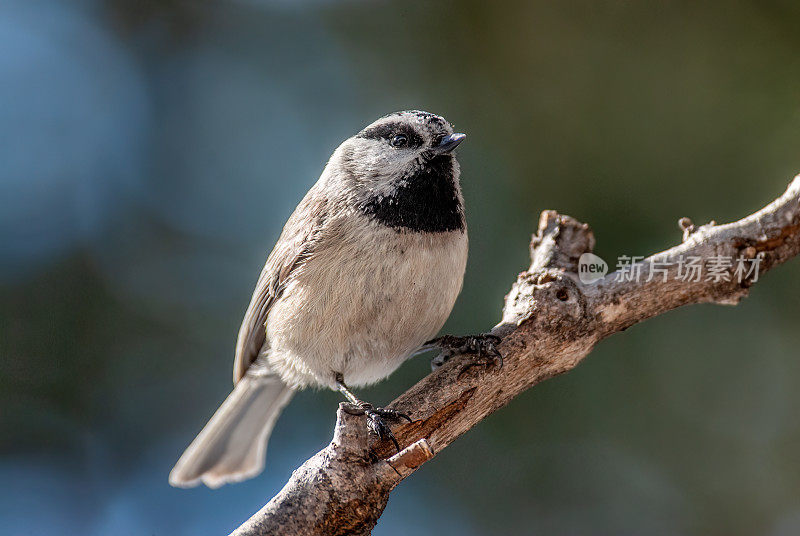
pixel 365 272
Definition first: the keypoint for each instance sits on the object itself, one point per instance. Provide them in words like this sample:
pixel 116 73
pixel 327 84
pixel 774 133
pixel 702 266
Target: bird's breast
pixel 363 302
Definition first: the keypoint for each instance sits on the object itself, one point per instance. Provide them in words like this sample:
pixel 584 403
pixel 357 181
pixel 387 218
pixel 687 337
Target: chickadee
pixel 366 270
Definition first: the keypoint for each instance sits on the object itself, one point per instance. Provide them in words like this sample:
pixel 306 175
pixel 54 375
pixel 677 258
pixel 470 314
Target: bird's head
pixel 403 167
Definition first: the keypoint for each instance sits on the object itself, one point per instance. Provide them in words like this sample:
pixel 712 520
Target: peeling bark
pixel 551 321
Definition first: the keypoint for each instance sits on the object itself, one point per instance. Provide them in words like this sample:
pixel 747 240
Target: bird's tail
pixel 233 444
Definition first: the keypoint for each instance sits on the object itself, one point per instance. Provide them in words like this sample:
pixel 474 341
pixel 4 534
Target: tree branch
pixel 551 321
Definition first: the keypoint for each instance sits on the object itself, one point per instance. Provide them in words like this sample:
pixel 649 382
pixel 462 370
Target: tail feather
pixel 233 445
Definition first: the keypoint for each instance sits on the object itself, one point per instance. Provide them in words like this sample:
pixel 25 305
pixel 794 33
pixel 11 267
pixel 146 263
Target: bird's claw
pixel 484 345
pixel 375 420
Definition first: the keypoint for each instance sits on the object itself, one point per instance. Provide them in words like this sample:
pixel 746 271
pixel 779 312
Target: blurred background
pixel 151 151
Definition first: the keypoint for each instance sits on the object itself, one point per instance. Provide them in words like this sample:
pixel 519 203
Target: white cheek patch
pixel 388 174
pixel 384 188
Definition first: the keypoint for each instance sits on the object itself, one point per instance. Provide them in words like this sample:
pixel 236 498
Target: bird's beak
pixel 448 143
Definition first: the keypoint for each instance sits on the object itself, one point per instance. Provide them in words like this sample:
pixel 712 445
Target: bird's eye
pixel 399 140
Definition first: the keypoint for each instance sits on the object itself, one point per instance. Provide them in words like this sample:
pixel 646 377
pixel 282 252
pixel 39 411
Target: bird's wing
pixel 294 247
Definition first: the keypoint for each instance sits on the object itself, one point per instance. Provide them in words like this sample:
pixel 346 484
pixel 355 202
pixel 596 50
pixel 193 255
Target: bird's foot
pixel 375 420
pixel 483 347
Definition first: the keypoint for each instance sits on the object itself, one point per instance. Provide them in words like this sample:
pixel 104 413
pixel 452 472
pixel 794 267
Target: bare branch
pixel 551 321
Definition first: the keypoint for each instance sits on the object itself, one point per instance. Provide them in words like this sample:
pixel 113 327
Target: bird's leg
pixel 374 415
pixel 482 346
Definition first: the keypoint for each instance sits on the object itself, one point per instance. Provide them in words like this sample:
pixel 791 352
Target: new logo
pixel 591 268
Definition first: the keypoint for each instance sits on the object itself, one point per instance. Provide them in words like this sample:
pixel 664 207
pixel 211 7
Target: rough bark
pixel 551 321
